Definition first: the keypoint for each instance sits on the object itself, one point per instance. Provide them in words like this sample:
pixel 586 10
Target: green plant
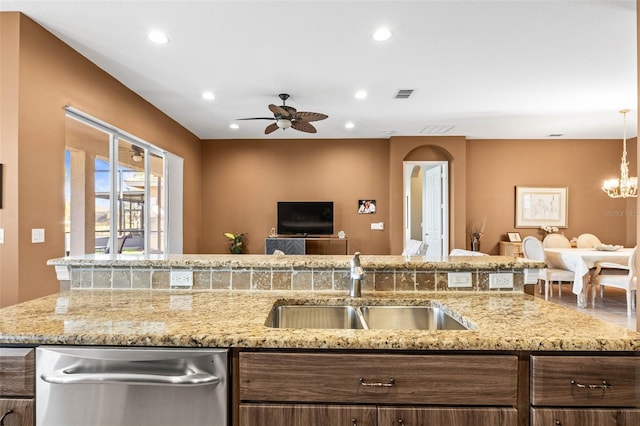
pixel 236 246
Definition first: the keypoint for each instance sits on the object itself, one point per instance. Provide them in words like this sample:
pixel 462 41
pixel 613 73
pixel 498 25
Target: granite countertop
pixel 293 261
pixel 499 321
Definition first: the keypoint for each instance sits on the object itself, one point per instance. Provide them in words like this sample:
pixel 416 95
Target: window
pixel 115 191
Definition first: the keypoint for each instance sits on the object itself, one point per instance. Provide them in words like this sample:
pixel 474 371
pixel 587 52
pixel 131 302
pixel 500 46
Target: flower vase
pixel 475 244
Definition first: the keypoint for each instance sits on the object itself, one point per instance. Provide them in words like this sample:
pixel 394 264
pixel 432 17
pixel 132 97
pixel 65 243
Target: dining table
pixel 580 261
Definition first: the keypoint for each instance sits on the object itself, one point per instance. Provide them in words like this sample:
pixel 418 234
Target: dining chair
pixel 587 241
pixel 415 248
pixel 532 249
pixel 462 252
pixel 627 281
pixel 556 241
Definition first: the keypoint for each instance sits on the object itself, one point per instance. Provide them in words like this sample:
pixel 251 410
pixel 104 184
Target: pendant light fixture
pixel 624 187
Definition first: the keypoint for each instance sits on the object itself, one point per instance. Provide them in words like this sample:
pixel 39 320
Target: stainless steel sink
pixel 314 316
pixel 363 317
pixel 409 318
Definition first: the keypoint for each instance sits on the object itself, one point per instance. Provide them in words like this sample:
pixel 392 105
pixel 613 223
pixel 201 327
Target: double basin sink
pixel 394 317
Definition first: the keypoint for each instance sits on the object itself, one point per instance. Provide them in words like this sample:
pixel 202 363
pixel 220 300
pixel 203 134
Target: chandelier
pixel 625 186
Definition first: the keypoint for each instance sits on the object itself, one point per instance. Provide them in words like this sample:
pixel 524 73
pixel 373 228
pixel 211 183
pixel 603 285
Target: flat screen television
pixel 305 218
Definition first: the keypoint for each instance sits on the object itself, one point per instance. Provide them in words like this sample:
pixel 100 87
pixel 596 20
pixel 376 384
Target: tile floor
pixel 612 308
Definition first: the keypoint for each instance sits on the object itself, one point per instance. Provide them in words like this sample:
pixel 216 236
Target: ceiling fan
pixel 286 116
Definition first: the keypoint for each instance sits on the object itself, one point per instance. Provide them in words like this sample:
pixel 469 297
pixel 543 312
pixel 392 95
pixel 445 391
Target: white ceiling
pixel 490 69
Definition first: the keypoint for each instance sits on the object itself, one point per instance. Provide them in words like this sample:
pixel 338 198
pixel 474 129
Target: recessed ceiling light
pixel 208 96
pixel 158 37
pixel 234 126
pixel 349 125
pixel 361 94
pixel 382 34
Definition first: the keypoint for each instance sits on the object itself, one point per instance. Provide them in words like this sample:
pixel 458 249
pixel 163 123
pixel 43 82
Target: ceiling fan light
pixel 283 123
pixel 136 157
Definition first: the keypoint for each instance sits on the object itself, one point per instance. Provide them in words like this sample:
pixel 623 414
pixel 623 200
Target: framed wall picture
pixel 514 237
pixel 366 206
pixel 540 206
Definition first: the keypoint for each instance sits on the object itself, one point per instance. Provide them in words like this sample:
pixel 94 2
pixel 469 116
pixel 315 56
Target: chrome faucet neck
pixel 357 275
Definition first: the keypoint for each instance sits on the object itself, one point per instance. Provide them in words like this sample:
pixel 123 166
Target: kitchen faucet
pixel 357 275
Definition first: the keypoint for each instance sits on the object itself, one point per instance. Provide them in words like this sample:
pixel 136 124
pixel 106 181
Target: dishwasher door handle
pixel 66 377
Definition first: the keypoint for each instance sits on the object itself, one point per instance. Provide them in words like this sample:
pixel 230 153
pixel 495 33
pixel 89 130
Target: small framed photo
pixel 366 206
pixel 514 237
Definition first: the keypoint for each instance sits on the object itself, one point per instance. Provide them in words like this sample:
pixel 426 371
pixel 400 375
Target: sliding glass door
pixel 115 191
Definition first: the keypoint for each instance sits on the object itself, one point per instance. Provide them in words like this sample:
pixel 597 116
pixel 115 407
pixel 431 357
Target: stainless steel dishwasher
pixel 100 386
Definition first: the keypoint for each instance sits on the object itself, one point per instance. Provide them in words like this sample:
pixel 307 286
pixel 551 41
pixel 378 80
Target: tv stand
pixel 307 245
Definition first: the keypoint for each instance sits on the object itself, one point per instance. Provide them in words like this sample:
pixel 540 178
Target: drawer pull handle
pixel 602 386
pixel 354 422
pixel 4 416
pixel 391 383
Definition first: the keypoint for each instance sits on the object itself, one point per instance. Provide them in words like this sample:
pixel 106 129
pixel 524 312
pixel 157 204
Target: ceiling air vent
pixel 437 129
pixel 404 93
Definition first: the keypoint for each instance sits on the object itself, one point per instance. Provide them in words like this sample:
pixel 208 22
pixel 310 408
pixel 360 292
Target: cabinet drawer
pixel 351 378
pixel 584 417
pixel 17 372
pixel 587 381
pixel 447 416
pixel 307 415
pixel 17 412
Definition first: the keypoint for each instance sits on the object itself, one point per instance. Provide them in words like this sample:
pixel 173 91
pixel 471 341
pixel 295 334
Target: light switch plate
pixel 1 235
pixel 378 226
pixel 37 235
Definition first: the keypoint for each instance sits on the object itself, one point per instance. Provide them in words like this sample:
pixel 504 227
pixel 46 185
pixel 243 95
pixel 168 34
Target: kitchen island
pixel 521 361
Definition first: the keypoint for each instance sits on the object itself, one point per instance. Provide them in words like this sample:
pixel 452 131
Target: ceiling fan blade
pixel 279 111
pixel 256 118
pixel 271 128
pixel 290 110
pixel 311 116
pixel 303 126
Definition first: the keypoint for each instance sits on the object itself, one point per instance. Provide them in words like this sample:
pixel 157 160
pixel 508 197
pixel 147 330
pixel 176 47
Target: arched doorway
pixel 426 207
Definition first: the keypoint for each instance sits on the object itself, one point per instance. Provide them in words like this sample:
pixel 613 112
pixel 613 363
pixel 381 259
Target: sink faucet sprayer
pixel 357 275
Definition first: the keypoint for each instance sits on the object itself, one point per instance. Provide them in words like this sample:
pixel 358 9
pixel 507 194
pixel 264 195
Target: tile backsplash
pixel 268 279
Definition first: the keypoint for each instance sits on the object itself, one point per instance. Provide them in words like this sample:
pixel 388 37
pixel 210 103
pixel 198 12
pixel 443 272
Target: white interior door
pixel 426 214
pixel 432 211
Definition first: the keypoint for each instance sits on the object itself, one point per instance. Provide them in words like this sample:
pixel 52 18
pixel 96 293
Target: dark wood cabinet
pixel 307 415
pixel 17 386
pixel 596 390
pixel 17 412
pixel 584 417
pixel 394 389
pixel 393 416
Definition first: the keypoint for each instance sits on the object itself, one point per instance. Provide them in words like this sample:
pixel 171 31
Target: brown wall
pixel 495 167
pixel 242 180
pixel 242 177
pixel 40 75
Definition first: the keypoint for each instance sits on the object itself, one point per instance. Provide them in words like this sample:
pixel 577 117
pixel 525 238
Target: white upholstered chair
pixel 588 241
pixel 627 281
pixel 556 241
pixel 462 252
pixel 532 249
pixel 415 248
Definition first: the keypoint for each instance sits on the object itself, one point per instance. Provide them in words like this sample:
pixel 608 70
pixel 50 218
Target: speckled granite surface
pixel 306 261
pixel 503 321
